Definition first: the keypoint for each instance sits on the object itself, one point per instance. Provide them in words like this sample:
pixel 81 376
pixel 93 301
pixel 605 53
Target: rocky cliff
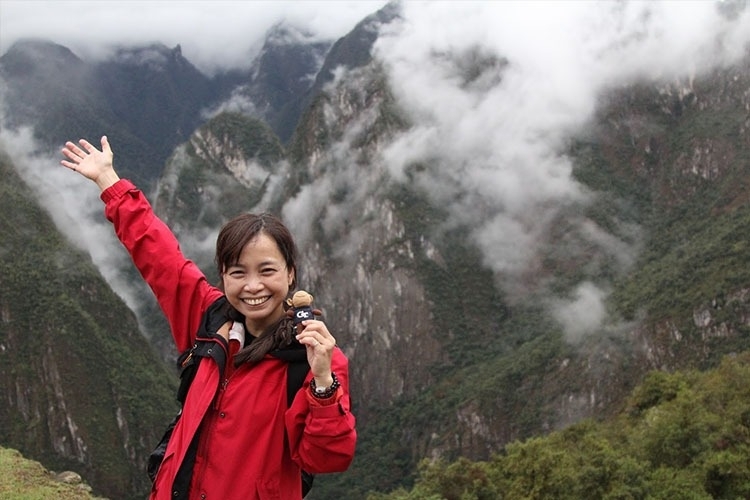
pixel 475 317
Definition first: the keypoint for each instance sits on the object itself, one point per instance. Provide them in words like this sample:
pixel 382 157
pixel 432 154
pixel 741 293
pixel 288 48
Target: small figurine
pixel 301 308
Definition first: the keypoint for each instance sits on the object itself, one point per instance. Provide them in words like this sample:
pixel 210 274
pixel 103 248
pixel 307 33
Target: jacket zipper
pixel 220 396
pixel 206 432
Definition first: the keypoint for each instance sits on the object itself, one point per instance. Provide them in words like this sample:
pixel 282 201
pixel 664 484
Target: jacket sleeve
pixel 180 287
pixel 323 438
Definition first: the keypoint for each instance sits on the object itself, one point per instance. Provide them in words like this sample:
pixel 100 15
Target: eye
pixel 236 273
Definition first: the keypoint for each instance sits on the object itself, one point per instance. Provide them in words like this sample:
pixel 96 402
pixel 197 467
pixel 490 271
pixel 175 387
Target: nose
pixel 252 283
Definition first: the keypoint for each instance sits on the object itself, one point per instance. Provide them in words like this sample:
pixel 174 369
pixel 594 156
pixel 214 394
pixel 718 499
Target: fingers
pixel 76 154
pixel 320 346
pixel 86 145
pixel 72 151
pixel 316 340
pixel 91 149
pixel 315 334
pixel 74 157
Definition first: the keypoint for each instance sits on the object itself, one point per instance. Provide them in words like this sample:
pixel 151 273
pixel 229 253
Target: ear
pixel 290 278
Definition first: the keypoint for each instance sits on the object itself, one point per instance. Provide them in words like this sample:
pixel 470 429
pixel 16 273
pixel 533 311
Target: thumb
pixel 105 145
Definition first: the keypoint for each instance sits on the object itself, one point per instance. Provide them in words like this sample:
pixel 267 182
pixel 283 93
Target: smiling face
pixel 258 283
pixel 256 259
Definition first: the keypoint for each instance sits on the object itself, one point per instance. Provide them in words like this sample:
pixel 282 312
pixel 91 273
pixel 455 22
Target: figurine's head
pixel 301 299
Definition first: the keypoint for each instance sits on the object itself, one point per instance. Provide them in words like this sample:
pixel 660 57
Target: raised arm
pixel 178 284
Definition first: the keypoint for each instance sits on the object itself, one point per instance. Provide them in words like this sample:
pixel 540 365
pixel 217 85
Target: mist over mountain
pixel 73 363
pixel 507 222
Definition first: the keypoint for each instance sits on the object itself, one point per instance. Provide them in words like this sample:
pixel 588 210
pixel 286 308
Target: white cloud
pixel 583 313
pixel 73 204
pixel 494 142
pixel 495 91
pixel 213 35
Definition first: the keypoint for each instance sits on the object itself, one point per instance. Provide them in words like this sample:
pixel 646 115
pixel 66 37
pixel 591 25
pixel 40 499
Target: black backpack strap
pixel 296 372
pixel 207 345
pixel 189 360
pixel 297 369
pixel 295 376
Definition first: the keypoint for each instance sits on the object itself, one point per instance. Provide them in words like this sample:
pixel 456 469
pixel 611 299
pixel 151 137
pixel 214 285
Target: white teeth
pixel 254 302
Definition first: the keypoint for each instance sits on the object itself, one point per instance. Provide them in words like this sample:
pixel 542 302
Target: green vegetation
pixel 696 258
pixel 412 426
pixel 85 391
pixel 501 359
pixel 23 479
pixel 667 174
pixel 250 136
pixel 473 317
pixel 691 231
pixel 206 193
pixel 683 435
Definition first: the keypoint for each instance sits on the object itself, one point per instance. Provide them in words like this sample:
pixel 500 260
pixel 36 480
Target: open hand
pixel 90 162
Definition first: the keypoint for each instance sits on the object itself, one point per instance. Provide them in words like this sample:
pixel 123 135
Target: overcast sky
pixel 218 33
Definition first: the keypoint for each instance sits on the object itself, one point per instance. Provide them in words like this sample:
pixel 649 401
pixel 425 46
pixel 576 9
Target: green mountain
pixel 463 370
pixel 453 359
pixel 682 435
pixel 83 390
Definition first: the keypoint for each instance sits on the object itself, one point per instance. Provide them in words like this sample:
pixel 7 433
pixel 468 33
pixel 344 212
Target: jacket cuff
pixel 116 190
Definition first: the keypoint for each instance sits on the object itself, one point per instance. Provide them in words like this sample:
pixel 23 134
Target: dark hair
pixel 233 237
pixel 238 232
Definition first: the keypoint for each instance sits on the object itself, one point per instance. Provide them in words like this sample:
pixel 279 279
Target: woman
pixel 247 443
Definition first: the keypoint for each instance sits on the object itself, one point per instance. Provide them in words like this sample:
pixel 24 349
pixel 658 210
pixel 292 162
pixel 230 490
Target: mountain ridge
pixel 445 363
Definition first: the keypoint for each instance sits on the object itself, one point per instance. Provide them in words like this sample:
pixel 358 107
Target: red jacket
pixel 251 446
